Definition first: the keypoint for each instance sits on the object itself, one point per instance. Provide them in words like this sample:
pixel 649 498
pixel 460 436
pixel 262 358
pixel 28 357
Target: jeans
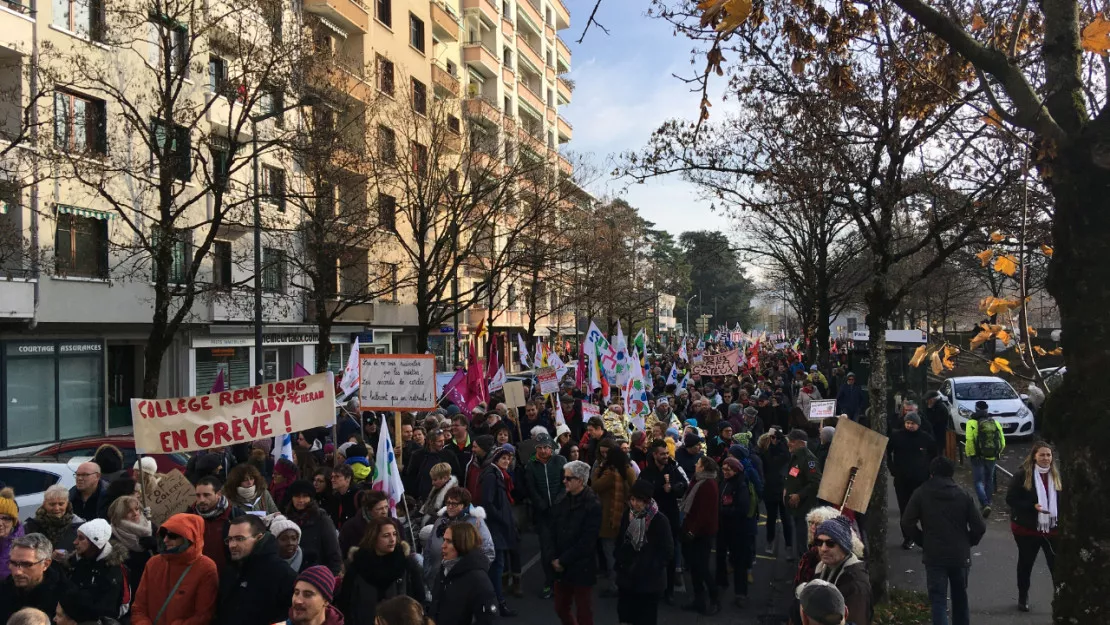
pixel 982 472
pixel 581 597
pixel 696 552
pixel 1028 547
pixel 801 533
pixel 606 574
pixel 937 580
pixel 776 509
pixel 500 561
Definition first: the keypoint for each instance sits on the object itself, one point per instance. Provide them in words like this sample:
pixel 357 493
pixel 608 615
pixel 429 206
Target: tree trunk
pixel 323 336
pixel 1075 415
pixel 879 311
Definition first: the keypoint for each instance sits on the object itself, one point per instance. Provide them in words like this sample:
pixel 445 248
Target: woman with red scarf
pixel 496 484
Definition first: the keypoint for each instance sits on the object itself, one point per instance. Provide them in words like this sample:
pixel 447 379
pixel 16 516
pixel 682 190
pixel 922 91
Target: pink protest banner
pixel 718 364
pixel 229 417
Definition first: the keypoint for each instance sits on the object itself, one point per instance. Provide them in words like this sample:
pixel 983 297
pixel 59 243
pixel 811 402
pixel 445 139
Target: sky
pixel 624 89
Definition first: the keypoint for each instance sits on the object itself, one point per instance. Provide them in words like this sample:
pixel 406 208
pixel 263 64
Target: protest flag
pixel 387 477
pixel 350 372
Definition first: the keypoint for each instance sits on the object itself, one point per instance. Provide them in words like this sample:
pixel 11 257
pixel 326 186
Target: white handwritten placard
pixel 822 409
pixel 397 382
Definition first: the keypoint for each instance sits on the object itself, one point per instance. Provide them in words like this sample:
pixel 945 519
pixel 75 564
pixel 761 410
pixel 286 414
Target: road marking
pixel 765 557
pixel 529 564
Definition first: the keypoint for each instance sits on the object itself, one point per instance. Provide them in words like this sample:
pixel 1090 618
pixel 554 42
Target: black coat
pixel 100 582
pixel 776 459
pixel 950 523
pixel 735 505
pixel 342 507
pixel 644 571
pixel 96 507
pixel 464 595
pixel 135 561
pixel 320 542
pixel 1022 502
pixel 45 596
pixel 65 541
pixel 667 502
pixel 577 525
pixel 398 574
pixel 419 473
pixel 499 512
pixel 257 590
pixel 909 454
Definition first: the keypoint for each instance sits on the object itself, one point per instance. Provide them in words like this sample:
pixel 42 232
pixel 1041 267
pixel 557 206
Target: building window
pixel 507 10
pixel 416 32
pixel 171 147
pixel 419 159
pixel 508 104
pixel 273 270
pixel 507 57
pixel 273 103
pixel 387 145
pixel 83 17
pixel 81 246
pixel 217 74
pixel 221 264
pixel 387 211
pixel 419 97
pixel 852 324
pixel 453 180
pixel 454 125
pixel 385 76
pixel 172 39
pixel 273 186
pixel 79 124
pixel 384 12
pixel 325 201
pixel 221 162
pixel 179 256
pixel 391 272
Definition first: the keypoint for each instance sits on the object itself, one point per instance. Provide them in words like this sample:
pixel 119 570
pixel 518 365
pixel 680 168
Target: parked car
pixel 29 477
pixel 1053 376
pixel 1003 403
pixel 87 447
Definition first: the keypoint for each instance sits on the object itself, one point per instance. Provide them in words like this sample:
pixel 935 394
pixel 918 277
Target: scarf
pixel 508 484
pixel 246 494
pixel 295 562
pixel 379 571
pixel 1046 497
pixel 129 532
pixel 445 521
pixel 638 523
pixel 688 500
pixel 53 527
pixel 221 507
pixel 303 518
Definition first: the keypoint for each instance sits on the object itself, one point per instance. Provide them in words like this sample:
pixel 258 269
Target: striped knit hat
pixel 322 578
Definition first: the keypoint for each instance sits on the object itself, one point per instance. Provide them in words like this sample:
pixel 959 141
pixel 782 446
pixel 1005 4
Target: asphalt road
pixel 992 584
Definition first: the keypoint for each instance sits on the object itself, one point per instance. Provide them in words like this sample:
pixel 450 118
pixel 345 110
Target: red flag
pixel 493 364
pixel 455 389
pixel 580 372
pixel 299 371
pixel 476 390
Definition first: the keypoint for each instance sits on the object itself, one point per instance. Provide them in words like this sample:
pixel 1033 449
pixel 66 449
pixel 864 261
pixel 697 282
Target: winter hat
pixel 561 429
pixel 672 434
pixel 735 409
pixel 98 531
pixel 280 525
pixel 208 463
pixel 8 506
pixel 822 602
pixel 738 451
pixel 662 401
pixel 452 410
pixel 827 434
pixel 643 490
pixel 733 464
pixel 798 435
pixel 750 412
pixel 77 606
pixel 536 431
pixel 638 437
pixel 358 450
pixel 543 439
pixel 690 440
pixel 322 578
pixel 813 367
pixel 981 405
pixel 147 465
pixel 691 422
pixel 837 529
pixel 502 450
pixel 485 442
pixel 913 417
pixel 300 487
pixel 109 458
pixel 344 447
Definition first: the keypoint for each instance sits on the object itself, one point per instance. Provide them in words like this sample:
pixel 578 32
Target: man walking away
pixel 937 420
pixel 984 444
pixel 943 518
pixel 577 525
pixel 908 455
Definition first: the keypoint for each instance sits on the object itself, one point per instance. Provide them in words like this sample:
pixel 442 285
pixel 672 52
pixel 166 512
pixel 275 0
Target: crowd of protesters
pixel 630 509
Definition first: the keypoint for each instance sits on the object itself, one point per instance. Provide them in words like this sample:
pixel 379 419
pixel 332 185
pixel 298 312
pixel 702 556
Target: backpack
pixel 988 440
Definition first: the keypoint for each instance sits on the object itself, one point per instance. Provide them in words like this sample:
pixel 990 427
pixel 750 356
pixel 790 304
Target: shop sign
pixel 267 339
pixel 64 348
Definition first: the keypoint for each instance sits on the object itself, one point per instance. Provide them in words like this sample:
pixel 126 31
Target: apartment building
pixel 77 293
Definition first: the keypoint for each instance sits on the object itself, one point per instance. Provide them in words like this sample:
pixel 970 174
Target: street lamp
pixel 303 101
pixel 686 331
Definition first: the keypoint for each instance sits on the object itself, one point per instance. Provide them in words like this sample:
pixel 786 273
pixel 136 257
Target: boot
pixel 505 610
pixel 514 586
pixel 1023 601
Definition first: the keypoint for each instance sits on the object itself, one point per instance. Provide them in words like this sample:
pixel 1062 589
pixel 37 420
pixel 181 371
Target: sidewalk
pixel 992 586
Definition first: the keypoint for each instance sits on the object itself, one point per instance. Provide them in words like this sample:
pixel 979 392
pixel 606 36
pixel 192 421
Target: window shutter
pixel 61 119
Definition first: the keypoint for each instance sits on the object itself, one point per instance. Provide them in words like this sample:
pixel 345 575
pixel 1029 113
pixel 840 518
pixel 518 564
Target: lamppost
pixel 686 330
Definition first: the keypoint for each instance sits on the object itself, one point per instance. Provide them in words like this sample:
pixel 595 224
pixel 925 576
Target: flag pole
pixel 400 444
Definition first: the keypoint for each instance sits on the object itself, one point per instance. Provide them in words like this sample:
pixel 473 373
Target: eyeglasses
pixel 18 565
pixel 452 503
pixel 85 474
pixel 817 542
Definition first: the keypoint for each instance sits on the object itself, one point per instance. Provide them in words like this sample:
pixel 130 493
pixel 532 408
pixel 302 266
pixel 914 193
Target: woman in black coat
pixel 646 546
pixel 95 569
pixel 736 529
pixel 319 540
pixel 380 568
pixel 776 459
pixel 1034 498
pixel 496 486
pixel 463 593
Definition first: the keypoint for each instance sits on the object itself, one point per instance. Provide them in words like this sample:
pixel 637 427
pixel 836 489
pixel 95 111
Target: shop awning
pixel 85 212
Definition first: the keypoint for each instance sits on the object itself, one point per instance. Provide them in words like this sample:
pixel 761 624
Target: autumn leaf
pixel 1096 35
pixel 1040 350
pixel 1032 331
pixel 1001 364
pixel 977 23
pixel 992 118
pixel 981 338
pixel 1003 336
pixel 798 66
pixel 736 11
pixel 1046 250
pixel 996 305
pixel 936 363
pixel 918 356
pixel 985 256
pixel 950 352
pixel 1006 264
pixel 1056 352
pixel 997 237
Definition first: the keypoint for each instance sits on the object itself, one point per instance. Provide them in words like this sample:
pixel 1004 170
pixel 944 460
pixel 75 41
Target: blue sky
pixel 624 90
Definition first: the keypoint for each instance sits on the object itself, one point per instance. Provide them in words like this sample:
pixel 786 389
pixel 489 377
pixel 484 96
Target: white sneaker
pixel 770 550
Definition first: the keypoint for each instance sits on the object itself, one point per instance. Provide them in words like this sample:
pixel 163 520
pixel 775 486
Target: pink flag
pixel 455 389
pixel 299 371
pixel 493 365
pixel 218 385
pixel 476 389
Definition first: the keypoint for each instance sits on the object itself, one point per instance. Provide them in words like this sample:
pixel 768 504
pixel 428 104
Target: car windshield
pixel 985 390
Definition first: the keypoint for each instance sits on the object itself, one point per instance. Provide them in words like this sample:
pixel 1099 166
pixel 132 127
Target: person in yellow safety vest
pixel 984 445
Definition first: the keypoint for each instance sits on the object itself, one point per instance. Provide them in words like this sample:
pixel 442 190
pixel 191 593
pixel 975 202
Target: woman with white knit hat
pixel 96 571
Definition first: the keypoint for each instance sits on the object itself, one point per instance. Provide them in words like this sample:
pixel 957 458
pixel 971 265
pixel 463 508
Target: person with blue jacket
pixel 849 398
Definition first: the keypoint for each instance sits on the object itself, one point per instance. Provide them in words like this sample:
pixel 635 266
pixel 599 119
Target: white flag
pixel 498 381
pixel 349 383
pixel 523 349
pixel 672 377
pixel 682 352
pixel 560 367
pixel 387 478
pixel 559 418
pixel 283 447
pixel 622 371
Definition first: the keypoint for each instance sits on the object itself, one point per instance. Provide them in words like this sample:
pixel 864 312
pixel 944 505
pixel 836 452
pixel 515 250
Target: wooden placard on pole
pixel 858 447
pixel 174 493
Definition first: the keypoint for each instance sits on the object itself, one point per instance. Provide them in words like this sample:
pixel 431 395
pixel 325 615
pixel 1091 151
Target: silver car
pixel 30 477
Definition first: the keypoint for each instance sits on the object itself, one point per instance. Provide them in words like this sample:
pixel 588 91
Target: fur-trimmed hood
pixel 477 512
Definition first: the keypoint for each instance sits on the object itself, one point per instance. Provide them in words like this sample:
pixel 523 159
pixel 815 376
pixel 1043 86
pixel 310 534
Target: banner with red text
pixel 718 364
pixel 230 417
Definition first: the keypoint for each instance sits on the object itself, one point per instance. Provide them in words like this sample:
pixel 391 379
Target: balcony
pixel 524 49
pixel 352 15
pixel 530 97
pixel 481 58
pixel 531 13
pixel 565 166
pixel 563 90
pixel 563 54
pixel 481 108
pixel 356 313
pixel 535 144
pixel 566 131
pixel 549 32
pixel 551 116
pixel 445 80
pixel 346 80
pixel 507 28
pixel 562 15
pixel 445 24
pixel 16 26
pixel 550 71
pixel 486 7
pixel 17 299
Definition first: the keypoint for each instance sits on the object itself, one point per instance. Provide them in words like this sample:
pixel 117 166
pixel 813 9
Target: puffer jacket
pixel 463 595
pixel 194 603
pixel 432 538
pixel 577 524
pixel 100 580
pixel 371 579
pixel 544 483
pixel 853 582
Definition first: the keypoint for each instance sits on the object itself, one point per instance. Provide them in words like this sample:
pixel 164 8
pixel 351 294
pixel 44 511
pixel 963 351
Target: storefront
pixel 51 390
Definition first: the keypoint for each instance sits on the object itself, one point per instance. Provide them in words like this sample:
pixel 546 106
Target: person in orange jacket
pixel 180 584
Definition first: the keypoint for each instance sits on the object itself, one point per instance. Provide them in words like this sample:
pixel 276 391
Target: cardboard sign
pixel 514 394
pixel 853 446
pixel 173 494
pixel 590 410
pixel 548 379
pixel 717 364
pixel 229 417
pixel 397 382
pixel 821 409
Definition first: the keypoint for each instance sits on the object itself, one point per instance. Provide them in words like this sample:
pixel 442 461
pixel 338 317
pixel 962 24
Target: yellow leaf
pixel 1056 352
pixel 992 118
pixel 996 305
pixel 1032 331
pixel 985 256
pixel 1006 264
pixel 1001 364
pixel 1040 350
pixel 981 338
pixel 1046 250
pixel 997 237
pixel 977 23
pixel 736 11
pixel 936 363
pixel 1096 35
pixel 918 356
pixel 1003 336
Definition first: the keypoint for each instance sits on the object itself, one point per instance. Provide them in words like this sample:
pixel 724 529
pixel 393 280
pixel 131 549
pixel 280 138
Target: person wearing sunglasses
pixel 35 581
pixel 180 584
pixel 10 528
pixel 841 568
pixel 456 508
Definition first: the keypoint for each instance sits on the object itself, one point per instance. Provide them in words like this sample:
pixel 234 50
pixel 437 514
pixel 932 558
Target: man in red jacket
pixel 217 513
pixel 699 527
